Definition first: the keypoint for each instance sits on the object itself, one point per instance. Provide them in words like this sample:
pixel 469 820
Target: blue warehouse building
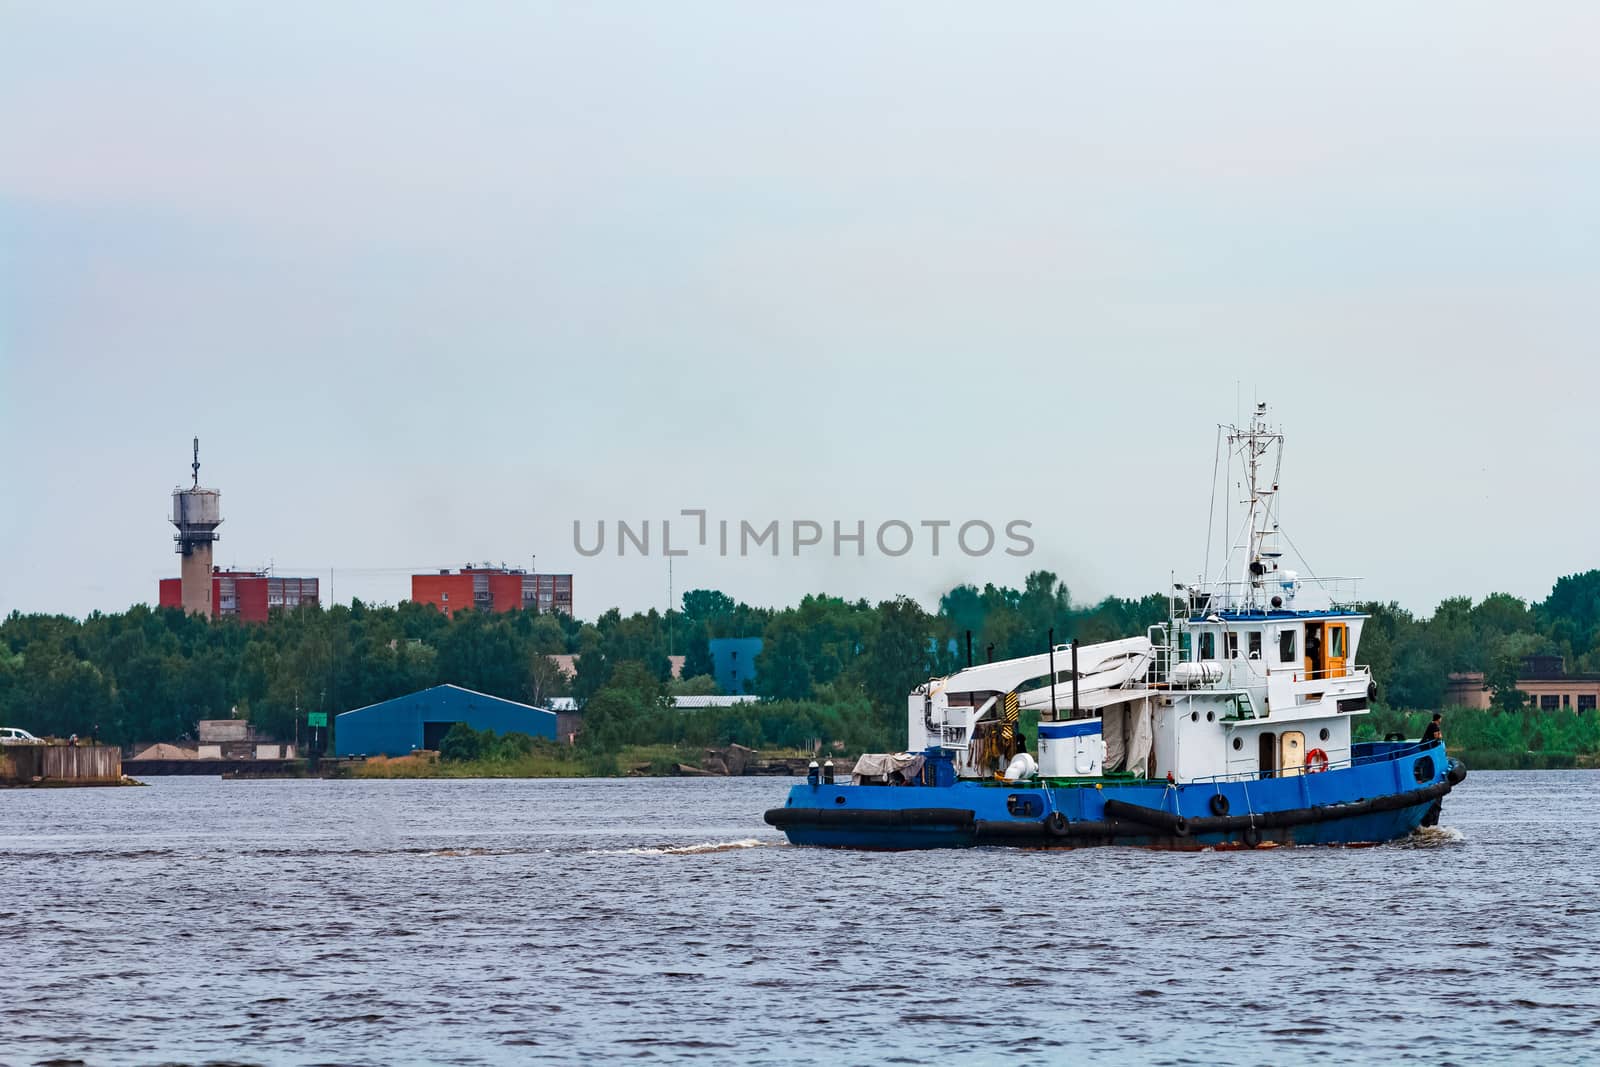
pixel 733 662
pixel 420 720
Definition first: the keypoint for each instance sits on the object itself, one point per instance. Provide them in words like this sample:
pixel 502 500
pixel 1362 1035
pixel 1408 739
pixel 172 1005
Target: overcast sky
pixel 432 281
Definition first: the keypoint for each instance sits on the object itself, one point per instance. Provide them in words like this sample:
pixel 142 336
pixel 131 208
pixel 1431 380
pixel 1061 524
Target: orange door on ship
pixel 1337 649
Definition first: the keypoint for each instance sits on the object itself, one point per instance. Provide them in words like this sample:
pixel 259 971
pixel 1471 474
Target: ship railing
pixel 1342 591
pixel 1352 670
pixel 1163 653
pixel 1400 749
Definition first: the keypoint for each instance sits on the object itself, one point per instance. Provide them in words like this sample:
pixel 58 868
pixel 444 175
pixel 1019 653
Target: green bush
pixel 601 765
pixel 463 744
pixel 1495 738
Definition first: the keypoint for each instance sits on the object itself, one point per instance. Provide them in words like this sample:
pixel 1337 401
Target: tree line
pixel 831 669
pixel 1412 658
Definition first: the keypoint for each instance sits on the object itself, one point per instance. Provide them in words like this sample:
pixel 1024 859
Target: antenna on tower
pixel 196 514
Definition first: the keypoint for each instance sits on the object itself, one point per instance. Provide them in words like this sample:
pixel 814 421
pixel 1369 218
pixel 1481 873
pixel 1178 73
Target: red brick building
pixel 247 595
pixel 493 589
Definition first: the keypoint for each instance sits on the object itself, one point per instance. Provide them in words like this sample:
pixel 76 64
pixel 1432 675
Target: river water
pixel 659 920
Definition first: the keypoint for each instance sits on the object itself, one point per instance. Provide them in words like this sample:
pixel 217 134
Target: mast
pixel 1260 549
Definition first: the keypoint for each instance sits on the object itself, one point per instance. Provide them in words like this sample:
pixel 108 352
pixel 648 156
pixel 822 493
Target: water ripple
pixel 201 921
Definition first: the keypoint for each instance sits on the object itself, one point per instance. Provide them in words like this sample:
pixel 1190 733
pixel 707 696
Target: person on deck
pixel 1314 651
pixel 1434 731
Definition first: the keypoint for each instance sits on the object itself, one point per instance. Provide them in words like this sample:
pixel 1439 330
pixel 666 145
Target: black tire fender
pixel 1056 824
pixel 1219 804
pixel 1251 837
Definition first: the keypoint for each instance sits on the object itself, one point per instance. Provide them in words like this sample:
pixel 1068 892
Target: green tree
pixel 1418 679
pixel 1505 668
pixel 699 685
pixel 896 659
pixel 480 652
pixel 697 653
pixel 782 670
pixel 546 680
pixel 1571 613
pixel 619 715
pixel 707 605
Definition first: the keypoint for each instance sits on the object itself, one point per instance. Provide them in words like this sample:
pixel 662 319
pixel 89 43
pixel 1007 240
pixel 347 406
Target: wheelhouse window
pixel 1233 646
pixel 1255 644
pixel 1336 642
pixel 1286 650
pixel 1208 645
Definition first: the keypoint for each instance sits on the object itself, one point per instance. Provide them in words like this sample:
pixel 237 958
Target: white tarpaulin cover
pixel 1112 732
pixel 883 764
pixel 1128 734
pixel 1141 737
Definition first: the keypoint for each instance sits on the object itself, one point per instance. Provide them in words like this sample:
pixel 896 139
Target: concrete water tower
pixel 197 513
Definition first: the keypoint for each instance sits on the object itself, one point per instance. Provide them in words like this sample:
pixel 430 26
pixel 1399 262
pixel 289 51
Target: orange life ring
pixel 1316 761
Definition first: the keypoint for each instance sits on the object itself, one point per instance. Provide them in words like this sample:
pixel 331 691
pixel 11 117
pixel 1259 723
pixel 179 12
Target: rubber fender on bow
pixel 1457 772
pixel 1219 804
pixel 1431 818
pixel 956 819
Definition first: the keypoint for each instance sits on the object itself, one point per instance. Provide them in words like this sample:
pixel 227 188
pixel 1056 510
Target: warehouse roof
pixel 694 703
pixel 458 691
pixel 719 700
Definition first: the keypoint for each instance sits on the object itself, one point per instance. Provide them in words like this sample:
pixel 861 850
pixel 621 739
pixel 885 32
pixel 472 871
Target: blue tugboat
pixel 1229 726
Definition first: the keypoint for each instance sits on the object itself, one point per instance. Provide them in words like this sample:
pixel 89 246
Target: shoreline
pixel 636 761
pixel 663 761
pixel 410 767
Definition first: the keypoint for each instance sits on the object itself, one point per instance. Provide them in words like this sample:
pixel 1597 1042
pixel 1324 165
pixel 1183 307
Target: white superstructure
pixel 1253 674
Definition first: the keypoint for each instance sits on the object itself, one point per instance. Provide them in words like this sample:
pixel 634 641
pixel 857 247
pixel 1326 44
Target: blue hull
pixel 1384 794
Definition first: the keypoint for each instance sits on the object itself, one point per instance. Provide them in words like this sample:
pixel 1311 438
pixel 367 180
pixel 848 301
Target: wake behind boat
pixel 1229 726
